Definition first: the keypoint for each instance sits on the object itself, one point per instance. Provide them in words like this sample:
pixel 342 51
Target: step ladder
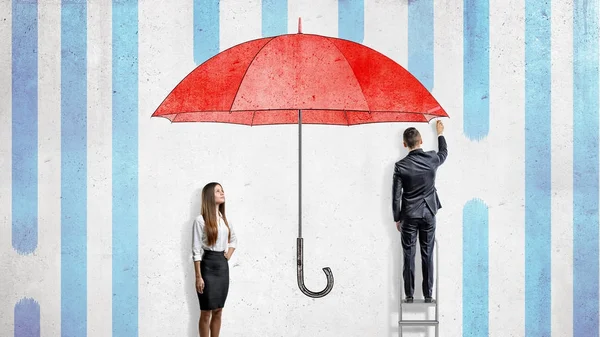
pixel 421 302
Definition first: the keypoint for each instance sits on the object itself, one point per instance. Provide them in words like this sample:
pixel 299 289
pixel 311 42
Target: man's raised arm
pixel 442 146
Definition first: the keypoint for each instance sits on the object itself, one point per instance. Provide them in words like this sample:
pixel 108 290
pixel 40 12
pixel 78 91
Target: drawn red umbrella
pixel 304 79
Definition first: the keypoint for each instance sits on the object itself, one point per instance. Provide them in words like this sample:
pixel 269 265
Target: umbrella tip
pixel 299 25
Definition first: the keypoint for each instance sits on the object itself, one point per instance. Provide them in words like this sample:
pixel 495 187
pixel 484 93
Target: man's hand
pixel 399 225
pixel 439 127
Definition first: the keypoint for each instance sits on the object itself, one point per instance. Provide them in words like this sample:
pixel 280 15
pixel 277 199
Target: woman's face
pixel 219 195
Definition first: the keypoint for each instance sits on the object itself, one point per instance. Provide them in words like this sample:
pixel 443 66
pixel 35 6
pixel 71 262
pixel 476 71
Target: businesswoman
pixel 213 243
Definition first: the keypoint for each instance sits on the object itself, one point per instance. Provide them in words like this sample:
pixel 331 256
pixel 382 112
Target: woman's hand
pixel 199 285
pixel 228 253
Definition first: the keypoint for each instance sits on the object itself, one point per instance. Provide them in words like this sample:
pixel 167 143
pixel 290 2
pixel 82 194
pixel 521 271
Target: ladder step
pixel 418 301
pixel 419 323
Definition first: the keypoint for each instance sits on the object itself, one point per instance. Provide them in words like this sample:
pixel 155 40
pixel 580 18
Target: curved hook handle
pixel 303 288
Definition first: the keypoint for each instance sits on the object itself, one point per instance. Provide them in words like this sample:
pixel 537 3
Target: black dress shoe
pixel 409 299
pixel 428 299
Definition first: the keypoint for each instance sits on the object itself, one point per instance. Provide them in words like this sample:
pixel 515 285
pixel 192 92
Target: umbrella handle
pixel 303 288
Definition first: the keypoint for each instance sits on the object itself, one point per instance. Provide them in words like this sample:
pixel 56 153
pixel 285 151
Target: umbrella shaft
pixel 299 173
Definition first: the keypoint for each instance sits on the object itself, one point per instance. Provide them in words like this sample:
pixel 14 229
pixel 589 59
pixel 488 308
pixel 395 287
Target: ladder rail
pixel 437 287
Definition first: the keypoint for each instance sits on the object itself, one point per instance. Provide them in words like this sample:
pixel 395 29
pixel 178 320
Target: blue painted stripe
pixel 537 169
pixel 585 168
pixel 475 269
pixel 206 29
pixel 351 20
pixel 125 168
pixel 27 318
pixel 420 41
pixel 24 127
pixel 274 17
pixel 476 68
pixel 73 168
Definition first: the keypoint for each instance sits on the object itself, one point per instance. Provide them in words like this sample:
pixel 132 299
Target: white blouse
pixel 199 241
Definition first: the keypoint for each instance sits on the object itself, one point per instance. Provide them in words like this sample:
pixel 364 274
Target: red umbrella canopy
pixel 333 81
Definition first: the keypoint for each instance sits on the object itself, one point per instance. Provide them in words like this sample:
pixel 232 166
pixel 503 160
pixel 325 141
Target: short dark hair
pixel 411 137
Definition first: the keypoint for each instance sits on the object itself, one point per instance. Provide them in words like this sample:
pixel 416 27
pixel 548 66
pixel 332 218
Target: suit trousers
pixel 425 228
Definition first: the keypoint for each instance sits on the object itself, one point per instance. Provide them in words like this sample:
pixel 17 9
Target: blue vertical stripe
pixel 475 269
pixel 274 17
pixel 206 29
pixel 537 168
pixel 24 127
pixel 73 169
pixel 351 20
pixel 27 318
pixel 125 168
pixel 585 168
pixel 420 41
pixel 476 69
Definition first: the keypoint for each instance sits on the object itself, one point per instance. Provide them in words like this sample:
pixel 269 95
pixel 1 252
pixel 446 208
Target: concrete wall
pixel 347 174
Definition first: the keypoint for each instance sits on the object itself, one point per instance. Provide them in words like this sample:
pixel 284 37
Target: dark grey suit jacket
pixel 414 182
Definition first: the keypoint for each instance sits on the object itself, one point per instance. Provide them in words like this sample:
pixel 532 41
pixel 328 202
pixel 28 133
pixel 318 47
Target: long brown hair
pixel 210 214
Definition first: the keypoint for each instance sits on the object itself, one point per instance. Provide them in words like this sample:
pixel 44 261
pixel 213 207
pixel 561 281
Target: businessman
pixel 415 203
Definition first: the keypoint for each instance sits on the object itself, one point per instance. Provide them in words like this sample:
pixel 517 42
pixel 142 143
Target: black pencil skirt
pixel 215 273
